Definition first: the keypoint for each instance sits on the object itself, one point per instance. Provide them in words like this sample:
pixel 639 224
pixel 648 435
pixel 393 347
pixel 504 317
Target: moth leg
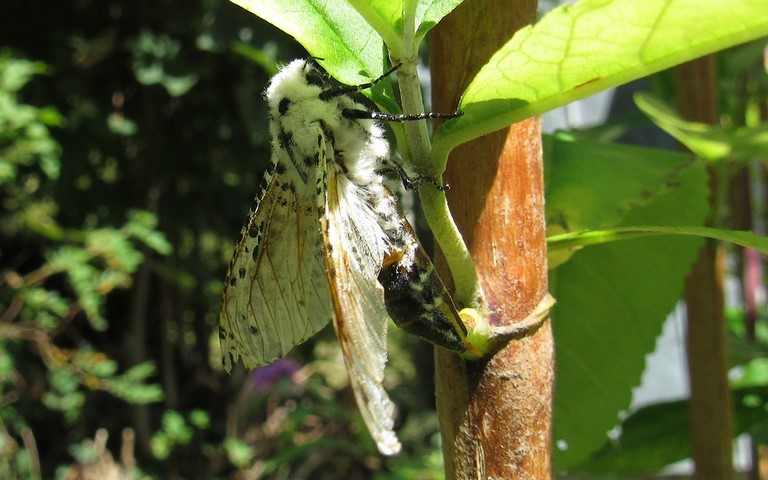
pixel 408 182
pixel 411 183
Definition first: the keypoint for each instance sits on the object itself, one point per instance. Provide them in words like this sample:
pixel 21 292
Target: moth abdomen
pixel 418 302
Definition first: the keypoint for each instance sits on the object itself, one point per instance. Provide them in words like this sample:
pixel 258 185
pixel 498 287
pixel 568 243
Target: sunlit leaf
pixel 350 49
pixel 706 141
pixel 580 49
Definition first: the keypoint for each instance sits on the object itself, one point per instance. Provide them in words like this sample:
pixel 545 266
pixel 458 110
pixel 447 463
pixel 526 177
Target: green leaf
pixel 119 125
pixel 386 17
pixel 239 453
pixel 612 300
pixel 115 248
pixel 161 446
pixel 200 419
pixel 753 373
pixel 142 225
pixel 139 372
pixel 351 50
pixel 591 185
pixel 7 171
pixel 430 12
pixel 45 305
pixel 39 217
pixel 706 141
pixel 580 49
pixel 130 386
pixel 651 438
pixel 84 277
pixel 94 363
pixel 134 393
pixel 24 135
pixel 260 56
pixel 64 395
pixel 658 435
pixel 176 428
pixel 67 258
pixel 17 72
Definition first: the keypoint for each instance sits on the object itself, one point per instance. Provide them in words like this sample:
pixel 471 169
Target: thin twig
pixel 28 437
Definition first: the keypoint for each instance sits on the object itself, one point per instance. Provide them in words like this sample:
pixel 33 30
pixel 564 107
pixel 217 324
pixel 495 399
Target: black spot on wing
pixel 254 230
pixel 312 161
pixel 341 162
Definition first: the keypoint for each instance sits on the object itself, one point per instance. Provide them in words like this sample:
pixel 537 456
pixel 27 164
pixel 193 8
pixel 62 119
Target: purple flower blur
pixel 264 378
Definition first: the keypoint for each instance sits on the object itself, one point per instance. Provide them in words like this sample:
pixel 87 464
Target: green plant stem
pixel 466 284
pixel 410 91
pixel 434 203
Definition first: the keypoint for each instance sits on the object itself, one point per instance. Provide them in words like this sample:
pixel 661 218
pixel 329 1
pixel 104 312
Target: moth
pixel 326 241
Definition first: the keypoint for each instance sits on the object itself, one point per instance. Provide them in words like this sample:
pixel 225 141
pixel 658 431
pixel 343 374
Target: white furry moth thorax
pixel 326 241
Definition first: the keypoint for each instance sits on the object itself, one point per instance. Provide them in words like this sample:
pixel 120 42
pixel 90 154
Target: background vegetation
pixel 132 139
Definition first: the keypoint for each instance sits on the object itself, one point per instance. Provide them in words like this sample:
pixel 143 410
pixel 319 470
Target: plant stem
pixel 434 203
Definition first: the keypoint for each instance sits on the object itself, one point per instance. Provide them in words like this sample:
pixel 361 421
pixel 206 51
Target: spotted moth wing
pixel 360 316
pixel 275 293
pixel 328 241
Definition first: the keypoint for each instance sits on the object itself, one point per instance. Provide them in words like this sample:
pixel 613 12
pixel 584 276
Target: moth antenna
pixel 395 117
pixel 358 114
pixel 345 89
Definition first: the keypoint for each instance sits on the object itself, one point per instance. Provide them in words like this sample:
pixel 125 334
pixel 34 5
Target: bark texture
pixel 707 338
pixel 496 415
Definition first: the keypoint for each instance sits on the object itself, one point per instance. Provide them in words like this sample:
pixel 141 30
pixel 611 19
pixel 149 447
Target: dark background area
pixel 160 109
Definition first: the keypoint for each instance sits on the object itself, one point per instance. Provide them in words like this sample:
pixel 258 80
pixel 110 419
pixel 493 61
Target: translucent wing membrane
pixel 360 318
pixel 275 295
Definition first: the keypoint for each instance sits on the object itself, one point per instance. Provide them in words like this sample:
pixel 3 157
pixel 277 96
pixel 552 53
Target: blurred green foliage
pixel 132 141
pixel 52 275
